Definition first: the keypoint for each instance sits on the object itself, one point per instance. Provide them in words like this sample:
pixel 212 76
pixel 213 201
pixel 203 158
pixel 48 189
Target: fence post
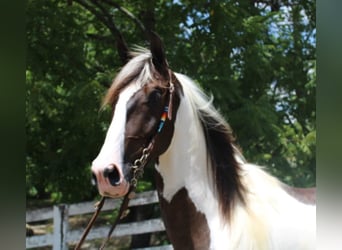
pixel 60 226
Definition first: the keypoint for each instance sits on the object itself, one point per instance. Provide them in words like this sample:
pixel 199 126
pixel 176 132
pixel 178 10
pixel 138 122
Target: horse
pixel 210 196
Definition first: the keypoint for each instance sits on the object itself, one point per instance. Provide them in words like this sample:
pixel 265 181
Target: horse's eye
pixel 154 97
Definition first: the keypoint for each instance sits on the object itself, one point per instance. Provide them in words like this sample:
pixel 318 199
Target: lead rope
pixel 98 207
pixel 121 215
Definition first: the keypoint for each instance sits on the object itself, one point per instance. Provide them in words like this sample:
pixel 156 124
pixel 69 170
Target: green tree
pixel 257 58
pixel 63 96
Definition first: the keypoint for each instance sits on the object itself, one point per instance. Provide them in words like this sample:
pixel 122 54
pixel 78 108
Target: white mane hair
pixel 202 105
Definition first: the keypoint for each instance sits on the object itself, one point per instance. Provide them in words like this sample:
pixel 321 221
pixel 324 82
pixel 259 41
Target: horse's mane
pixel 221 150
pixel 218 135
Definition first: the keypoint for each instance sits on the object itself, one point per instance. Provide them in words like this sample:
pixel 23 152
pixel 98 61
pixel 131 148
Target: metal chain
pixel 138 166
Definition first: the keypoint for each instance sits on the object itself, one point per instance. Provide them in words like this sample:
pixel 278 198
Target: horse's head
pixel 145 97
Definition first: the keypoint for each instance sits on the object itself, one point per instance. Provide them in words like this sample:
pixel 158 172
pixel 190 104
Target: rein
pixel 137 173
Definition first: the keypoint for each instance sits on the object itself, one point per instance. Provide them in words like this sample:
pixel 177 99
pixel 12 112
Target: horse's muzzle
pixel 110 180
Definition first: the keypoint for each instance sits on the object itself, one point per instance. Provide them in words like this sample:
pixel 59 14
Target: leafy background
pixel 258 59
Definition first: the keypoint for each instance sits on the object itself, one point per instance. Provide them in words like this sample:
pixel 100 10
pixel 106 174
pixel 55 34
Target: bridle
pixel 137 172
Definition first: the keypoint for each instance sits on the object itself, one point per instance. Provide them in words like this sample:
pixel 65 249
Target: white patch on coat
pixel 112 150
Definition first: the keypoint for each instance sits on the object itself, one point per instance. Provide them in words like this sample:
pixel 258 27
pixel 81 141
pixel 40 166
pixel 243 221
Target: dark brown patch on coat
pixel 186 227
pixel 144 111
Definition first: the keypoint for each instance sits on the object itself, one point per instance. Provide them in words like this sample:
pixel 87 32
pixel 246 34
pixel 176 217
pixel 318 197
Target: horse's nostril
pixel 93 180
pixel 113 175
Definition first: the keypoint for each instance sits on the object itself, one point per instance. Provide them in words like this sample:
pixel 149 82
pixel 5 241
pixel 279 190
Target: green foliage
pixel 62 119
pixel 257 61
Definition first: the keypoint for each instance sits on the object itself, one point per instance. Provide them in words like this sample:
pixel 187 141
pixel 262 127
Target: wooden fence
pixel 61 235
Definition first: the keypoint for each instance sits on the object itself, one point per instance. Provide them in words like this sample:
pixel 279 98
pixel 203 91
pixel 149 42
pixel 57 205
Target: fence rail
pixel 60 214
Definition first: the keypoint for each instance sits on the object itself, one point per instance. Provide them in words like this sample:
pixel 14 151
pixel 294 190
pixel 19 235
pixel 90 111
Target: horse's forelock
pixel 138 70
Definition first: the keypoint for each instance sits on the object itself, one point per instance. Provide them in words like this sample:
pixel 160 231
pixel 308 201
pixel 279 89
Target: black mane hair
pixel 226 171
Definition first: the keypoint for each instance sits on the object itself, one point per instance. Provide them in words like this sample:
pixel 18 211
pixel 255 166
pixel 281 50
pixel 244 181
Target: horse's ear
pixel 122 49
pixel 158 55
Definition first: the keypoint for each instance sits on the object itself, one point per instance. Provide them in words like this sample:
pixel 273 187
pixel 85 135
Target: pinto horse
pixel 210 196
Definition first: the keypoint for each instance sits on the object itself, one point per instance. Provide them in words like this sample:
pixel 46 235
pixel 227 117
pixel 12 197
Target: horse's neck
pixel 183 181
pixel 187 197
pixel 184 164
